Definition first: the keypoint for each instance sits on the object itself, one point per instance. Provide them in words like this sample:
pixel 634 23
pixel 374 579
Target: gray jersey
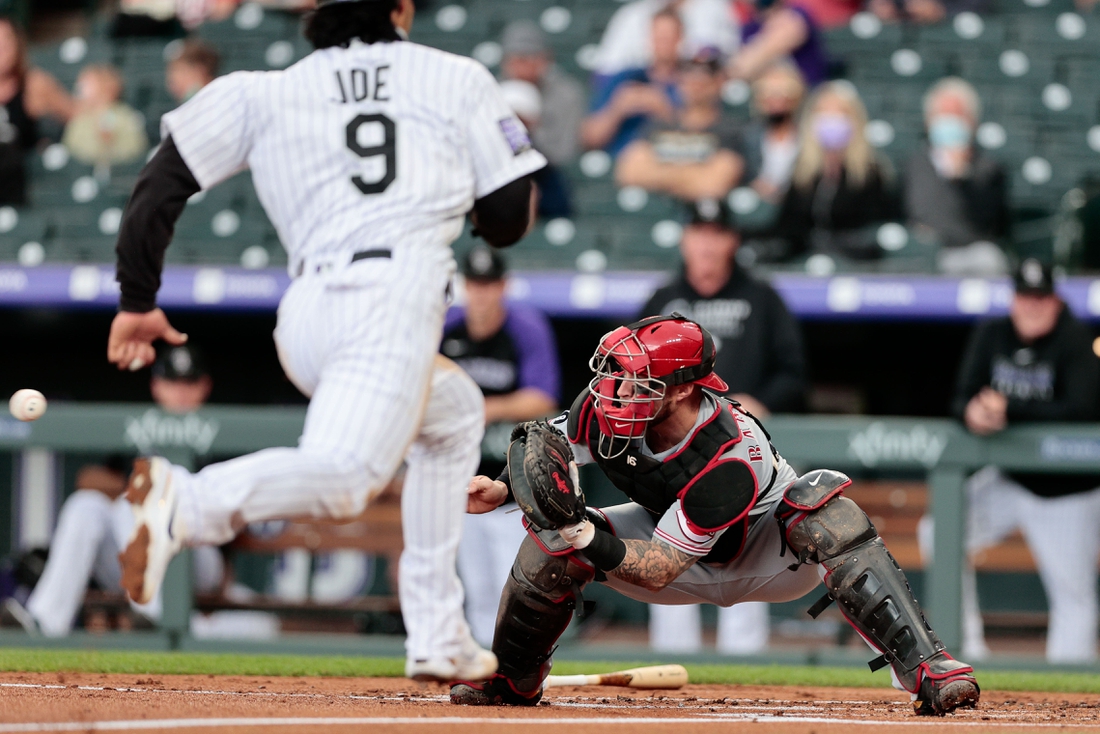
pixel 753 450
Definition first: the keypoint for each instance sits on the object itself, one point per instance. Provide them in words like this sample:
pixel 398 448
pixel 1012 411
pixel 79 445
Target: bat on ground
pixel 652 677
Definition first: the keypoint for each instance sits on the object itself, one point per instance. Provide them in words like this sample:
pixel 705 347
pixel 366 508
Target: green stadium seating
pixel 18 227
pixel 1059 49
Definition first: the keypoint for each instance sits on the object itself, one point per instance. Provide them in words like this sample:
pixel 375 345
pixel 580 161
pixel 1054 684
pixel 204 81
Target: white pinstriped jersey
pixel 382 145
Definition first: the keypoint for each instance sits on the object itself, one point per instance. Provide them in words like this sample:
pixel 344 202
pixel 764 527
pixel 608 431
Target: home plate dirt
pixel 63 702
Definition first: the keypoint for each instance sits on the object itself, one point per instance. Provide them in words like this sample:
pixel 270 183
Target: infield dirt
pixel 84 702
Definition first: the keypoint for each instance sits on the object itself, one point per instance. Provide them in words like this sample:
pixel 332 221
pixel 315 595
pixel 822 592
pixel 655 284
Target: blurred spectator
pixel 104 130
pixel 624 102
pixel 96 520
pixel 840 185
pixel 527 57
pixel 1036 364
pixel 526 102
pixel 693 156
pixel 955 192
pixel 195 66
pixel 26 95
pixel 779 30
pixel 770 144
pixel 830 14
pixel 509 351
pixel 168 17
pixel 706 23
pixel 760 356
pixel 917 11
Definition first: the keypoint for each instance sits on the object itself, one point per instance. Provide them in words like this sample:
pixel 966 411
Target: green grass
pixel 164 663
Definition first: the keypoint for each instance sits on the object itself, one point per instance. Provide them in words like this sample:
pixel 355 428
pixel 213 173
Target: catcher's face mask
pixel 625 395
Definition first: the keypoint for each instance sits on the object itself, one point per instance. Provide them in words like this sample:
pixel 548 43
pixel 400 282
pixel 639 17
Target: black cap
pixel 180 363
pixel 711 211
pixel 1034 278
pixel 483 263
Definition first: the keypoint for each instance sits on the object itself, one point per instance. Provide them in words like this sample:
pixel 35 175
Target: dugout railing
pixel 939 448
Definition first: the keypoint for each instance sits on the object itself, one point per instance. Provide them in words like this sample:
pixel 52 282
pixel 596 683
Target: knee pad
pixel 819 523
pixel 834 528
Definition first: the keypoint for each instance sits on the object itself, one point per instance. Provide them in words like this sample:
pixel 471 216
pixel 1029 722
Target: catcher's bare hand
pixel 130 343
pixel 485 495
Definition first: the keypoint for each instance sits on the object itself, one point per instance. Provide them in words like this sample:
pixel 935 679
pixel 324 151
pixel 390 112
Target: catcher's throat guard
pixel 544 476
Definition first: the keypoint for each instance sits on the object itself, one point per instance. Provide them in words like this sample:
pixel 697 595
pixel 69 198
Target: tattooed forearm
pixel 652 565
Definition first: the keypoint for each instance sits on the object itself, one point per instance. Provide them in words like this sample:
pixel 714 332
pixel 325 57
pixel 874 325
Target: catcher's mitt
pixel 544 476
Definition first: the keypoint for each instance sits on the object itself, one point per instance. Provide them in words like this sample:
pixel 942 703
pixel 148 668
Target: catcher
pixel 715 515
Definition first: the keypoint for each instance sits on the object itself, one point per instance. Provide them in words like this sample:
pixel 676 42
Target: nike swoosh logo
pixel 815 482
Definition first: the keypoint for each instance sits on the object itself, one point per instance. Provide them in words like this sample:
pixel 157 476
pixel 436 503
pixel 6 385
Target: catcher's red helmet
pixel 635 363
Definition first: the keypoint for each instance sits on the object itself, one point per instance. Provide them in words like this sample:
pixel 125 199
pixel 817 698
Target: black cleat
pixel 497 691
pixel 946 685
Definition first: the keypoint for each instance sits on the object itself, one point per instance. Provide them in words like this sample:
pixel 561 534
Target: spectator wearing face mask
pixel 104 130
pixel 840 186
pixel 771 139
pixel 694 156
pixel 953 191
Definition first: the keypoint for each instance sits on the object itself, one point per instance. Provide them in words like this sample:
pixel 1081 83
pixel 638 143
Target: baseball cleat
pixel 473 664
pixel 13 611
pixel 946 685
pixel 497 691
pixel 156 537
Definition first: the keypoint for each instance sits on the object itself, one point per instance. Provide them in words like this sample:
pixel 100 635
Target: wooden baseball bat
pixel 651 677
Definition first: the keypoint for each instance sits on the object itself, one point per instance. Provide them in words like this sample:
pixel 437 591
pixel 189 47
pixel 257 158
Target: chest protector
pixel 715 494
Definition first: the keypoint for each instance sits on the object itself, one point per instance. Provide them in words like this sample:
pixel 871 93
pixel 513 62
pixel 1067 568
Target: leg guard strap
pixel 875 597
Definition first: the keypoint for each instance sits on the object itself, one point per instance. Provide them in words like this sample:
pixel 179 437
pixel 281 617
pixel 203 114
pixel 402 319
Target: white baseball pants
pixel 488 549
pixel 1063 534
pixel 362 344
pixel 91 530
pixel 743 629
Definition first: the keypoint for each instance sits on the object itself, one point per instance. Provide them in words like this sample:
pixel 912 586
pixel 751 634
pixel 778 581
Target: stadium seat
pixel 18 227
pixel 864 35
pixel 554 245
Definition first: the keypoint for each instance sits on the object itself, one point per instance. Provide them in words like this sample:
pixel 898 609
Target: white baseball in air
pixel 27 405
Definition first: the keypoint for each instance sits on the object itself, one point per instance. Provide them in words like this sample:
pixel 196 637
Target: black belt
pixel 371 254
pixel 361 255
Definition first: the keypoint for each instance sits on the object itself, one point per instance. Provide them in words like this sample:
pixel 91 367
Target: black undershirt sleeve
pixel 507 479
pixel 160 194
pixel 504 215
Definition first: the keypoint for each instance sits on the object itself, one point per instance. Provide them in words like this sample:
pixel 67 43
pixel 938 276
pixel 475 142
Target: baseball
pixel 27 405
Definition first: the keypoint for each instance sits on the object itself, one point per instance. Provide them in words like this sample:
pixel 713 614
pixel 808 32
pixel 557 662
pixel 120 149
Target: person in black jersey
pixel 509 351
pixel 1036 364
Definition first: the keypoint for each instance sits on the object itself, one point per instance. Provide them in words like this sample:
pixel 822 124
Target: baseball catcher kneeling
pixel 715 515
